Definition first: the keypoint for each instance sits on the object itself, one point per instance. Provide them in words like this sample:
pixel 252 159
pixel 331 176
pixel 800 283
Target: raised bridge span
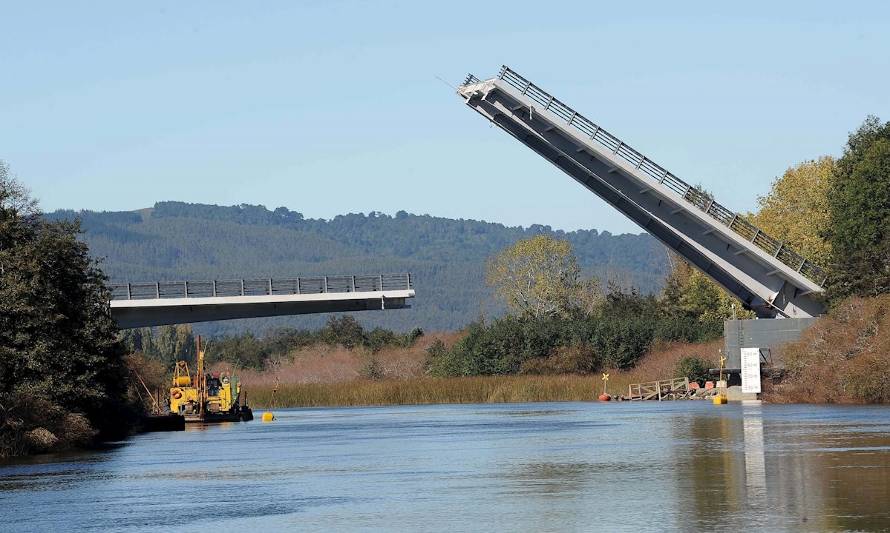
pixel 765 274
pixel 135 305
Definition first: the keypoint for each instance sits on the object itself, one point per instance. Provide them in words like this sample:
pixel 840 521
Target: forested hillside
pixel 175 240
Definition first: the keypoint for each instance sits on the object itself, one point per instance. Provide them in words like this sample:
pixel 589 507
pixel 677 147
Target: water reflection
pixel 755 456
pixel 552 467
pixel 742 468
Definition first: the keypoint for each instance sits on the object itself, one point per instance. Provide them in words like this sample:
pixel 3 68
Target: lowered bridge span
pixel 135 305
pixel 765 274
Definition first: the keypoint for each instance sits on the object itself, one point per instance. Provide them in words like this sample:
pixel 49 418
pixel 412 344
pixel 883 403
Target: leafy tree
pixel 694 303
pixel 795 210
pixel 58 342
pixel 244 350
pixel 344 330
pixel 859 213
pixel 166 344
pixel 537 277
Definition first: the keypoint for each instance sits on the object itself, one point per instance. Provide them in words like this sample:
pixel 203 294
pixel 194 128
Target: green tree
pixel 537 277
pixel 859 213
pixel 691 296
pixel 166 344
pixel 58 343
pixel 344 330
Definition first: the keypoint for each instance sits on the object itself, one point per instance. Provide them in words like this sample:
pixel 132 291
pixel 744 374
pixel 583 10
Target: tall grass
pixel 477 389
pixel 661 363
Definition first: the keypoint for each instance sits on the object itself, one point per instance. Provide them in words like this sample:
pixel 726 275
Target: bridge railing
pixel 260 287
pixel 691 194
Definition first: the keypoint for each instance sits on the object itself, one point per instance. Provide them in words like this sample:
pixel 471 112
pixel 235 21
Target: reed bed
pixel 660 363
pixel 426 390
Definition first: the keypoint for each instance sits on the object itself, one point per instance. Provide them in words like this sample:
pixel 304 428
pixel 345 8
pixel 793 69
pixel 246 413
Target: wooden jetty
pixel 668 389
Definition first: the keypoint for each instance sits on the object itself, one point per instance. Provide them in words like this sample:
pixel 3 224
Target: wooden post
pixel 200 377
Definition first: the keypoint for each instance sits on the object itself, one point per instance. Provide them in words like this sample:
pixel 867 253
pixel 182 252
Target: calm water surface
pixel 516 467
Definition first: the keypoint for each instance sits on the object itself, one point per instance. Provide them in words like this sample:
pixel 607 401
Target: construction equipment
pixel 206 396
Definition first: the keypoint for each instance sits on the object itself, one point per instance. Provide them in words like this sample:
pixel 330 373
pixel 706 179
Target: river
pixel 506 467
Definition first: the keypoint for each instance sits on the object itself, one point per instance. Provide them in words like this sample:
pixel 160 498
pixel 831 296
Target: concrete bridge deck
pixel 763 272
pixel 135 305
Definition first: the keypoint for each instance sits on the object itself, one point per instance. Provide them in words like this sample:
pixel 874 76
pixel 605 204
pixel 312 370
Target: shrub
pixel 694 368
pixel 564 360
pixel 372 369
pixel 842 358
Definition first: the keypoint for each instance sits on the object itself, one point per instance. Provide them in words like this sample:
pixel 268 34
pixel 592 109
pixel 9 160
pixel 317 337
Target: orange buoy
pixel 604 397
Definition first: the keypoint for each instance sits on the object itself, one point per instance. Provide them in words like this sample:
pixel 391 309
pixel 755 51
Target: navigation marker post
pixel 605 397
pixel 720 398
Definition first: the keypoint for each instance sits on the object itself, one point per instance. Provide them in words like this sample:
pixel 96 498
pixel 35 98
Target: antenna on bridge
pixel 446 83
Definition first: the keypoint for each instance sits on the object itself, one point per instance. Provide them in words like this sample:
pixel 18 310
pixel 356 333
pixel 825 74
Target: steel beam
pixel 759 279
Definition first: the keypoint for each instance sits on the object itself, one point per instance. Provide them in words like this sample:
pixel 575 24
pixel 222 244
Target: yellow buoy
pixel 719 399
pixel 268 417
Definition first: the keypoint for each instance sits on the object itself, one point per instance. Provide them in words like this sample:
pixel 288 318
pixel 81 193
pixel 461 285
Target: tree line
pixel 837 211
pixel 176 241
pixel 168 344
pixel 561 322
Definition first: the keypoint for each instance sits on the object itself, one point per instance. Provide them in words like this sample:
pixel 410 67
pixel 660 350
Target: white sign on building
pixel 751 370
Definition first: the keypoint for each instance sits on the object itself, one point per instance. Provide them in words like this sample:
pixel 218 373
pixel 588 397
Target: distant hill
pixel 175 241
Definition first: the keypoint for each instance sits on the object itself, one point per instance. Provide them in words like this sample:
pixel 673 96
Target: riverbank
pixel 414 389
pixel 842 358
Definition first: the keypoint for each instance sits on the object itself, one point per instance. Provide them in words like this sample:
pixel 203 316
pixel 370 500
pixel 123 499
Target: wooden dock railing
pixel 669 389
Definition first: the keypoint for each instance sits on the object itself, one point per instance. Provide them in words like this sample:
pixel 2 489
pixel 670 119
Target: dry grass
pixel 843 358
pixel 331 378
pixel 426 390
pixel 335 364
pixel 661 362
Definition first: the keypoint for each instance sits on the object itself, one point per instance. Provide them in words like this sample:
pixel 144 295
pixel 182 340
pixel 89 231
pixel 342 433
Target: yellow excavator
pixel 206 396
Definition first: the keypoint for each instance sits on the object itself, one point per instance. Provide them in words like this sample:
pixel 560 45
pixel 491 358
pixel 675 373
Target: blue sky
pixel 333 107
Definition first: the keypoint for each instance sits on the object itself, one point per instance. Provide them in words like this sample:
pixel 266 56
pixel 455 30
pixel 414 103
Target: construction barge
pixel 207 397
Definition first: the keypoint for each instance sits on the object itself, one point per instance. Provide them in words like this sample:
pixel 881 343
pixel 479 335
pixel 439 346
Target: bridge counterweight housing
pixel 767 276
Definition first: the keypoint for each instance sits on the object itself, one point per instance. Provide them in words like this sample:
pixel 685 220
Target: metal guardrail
pixel 260 287
pixel 691 194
